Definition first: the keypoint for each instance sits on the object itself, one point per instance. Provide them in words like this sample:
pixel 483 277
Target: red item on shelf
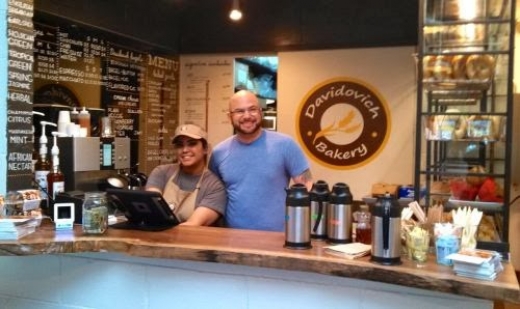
pixel 461 190
pixel 490 191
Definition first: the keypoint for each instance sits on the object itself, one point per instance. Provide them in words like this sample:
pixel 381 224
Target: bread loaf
pixel 480 67
pixel 428 66
pixel 458 64
pixel 442 69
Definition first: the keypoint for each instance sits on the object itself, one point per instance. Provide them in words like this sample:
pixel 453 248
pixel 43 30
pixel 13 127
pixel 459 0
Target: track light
pixel 235 13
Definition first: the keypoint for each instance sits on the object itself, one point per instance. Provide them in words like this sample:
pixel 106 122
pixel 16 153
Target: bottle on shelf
pixel 42 167
pixel 84 121
pixel 74 115
pixel 55 179
pixel 363 227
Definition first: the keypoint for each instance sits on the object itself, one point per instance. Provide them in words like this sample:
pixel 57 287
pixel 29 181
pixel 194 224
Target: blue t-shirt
pixel 256 176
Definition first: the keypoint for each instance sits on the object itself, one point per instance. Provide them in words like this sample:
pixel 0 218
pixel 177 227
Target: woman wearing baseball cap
pixel 194 193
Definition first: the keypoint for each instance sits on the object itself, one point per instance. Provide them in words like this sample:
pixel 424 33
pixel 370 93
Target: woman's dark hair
pixel 204 143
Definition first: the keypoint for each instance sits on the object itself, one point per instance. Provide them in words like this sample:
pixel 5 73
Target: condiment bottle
pixel 95 213
pixel 55 179
pixel 42 167
pixel 363 226
pixel 84 120
pixel 74 114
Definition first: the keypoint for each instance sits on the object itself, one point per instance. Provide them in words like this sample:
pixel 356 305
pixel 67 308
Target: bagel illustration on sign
pixel 337 127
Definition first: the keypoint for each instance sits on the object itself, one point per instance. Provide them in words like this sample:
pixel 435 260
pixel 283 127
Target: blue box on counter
pixel 408 191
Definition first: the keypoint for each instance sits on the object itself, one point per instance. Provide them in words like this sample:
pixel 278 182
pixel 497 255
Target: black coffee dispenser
pixel 386 231
pixel 319 196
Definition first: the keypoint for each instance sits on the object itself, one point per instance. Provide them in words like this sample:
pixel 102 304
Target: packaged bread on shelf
pixel 484 127
pixel 31 199
pixel 487 230
pixel 380 189
pixel 450 127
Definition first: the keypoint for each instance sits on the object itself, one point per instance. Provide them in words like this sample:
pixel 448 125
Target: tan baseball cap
pixel 190 130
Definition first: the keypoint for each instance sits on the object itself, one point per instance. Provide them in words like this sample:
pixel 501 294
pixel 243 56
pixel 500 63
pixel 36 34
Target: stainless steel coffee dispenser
pixel 339 214
pixel 297 218
pixel 87 162
pixel 386 231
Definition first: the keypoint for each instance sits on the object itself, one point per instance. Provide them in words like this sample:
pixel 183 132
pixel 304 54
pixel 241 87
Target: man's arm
pixel 304 178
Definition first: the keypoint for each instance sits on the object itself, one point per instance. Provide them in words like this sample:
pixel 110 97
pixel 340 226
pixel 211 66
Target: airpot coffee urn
pixel 386 231
pixel 339 214
pixel 297 218
pixel 319 196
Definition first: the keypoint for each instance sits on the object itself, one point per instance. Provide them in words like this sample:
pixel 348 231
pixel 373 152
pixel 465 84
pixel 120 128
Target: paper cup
pixel 447 241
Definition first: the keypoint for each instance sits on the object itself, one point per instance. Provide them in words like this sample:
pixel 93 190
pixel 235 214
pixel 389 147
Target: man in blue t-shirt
pixel 256 167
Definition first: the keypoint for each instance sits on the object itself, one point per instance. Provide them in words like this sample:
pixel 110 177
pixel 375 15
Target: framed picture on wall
pixel 269 123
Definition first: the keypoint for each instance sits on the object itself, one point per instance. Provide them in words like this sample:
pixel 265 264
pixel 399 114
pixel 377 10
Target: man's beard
pixel 256 128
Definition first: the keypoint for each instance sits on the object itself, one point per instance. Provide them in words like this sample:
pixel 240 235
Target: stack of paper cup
pixel 63 121
pixel 73 129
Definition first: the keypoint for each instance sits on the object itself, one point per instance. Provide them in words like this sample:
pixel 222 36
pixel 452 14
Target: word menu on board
pixel 134 83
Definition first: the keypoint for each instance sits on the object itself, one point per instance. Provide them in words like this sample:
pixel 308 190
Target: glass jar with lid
pixel 95 213
pixel 363 228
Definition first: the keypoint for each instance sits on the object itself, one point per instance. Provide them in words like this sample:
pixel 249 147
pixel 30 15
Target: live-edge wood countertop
pixel 262 249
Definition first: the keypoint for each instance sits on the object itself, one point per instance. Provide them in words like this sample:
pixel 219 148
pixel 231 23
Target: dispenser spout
pixel 55 151
pixel 39 114
pixel 43 138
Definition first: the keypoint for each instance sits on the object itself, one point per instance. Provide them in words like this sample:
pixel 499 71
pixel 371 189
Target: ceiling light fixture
pixel 235 13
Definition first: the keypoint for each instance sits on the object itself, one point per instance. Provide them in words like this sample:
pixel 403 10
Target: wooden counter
pixel 262 249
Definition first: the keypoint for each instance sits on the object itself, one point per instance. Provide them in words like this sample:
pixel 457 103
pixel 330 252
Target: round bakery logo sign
pixel 343 123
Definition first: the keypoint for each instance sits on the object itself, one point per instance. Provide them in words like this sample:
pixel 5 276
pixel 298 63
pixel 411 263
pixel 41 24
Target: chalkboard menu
pixel 20 60
pixel 135 83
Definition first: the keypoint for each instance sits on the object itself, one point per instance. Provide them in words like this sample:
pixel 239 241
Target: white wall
pixel 98 281
pixel 391 71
